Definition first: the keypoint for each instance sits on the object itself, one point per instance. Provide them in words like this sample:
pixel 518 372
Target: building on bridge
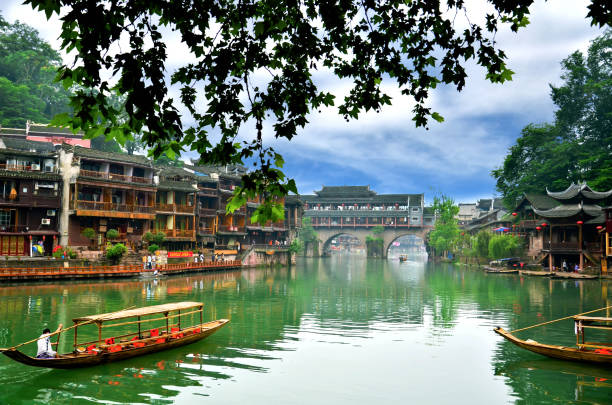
pixel 357 209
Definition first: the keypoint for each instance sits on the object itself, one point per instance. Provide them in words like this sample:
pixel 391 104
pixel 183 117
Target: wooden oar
pixel 2 349
pixel 560 319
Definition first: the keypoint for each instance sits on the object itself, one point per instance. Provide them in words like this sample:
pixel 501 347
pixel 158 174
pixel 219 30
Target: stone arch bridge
pixel 389 235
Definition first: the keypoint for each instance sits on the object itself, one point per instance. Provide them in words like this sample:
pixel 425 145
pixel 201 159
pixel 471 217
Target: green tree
pixel 576 147
pixel 308 235
pixel 446 232
pixel 482 243
pixel 414 44
pixel 116 252
pixel 28 66
pixel 502 246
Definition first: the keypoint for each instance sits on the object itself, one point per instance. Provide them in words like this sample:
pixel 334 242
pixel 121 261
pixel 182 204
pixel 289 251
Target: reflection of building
pixel 360 207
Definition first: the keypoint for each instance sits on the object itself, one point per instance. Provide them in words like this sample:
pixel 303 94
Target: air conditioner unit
pixel 46 221
pixel 35 166
pixel 50 213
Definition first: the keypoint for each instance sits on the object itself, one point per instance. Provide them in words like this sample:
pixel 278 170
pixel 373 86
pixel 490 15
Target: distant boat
pixel 125 346
pixel 403 258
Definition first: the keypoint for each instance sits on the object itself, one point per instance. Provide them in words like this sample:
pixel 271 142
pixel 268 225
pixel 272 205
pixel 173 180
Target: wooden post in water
pixel 580 246
pixel 99 331
pixel 179 319
pixel 75 335
pixel 167 327
pixel 139 334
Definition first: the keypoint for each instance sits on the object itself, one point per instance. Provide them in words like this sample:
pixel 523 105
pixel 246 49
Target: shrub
pixel 501 246
pixel 156 238
pixel 116 252
pixel 153 248
pixel 297 246
pixel 89 233
pixel 112 234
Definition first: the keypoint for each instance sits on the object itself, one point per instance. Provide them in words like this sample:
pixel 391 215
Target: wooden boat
pixel 500 270
pixel 403 258
pixel 536 273
pixel 584 351
pixel 138 343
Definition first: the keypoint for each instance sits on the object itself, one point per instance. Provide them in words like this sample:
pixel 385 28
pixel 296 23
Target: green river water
pixel 339 330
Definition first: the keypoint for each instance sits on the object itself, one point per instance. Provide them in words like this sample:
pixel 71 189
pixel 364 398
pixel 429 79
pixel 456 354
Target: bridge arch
pixel 418 238
pixel 327 239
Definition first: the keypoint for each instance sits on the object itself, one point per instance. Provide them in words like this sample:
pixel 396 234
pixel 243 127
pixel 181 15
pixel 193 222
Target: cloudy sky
pixel 455 157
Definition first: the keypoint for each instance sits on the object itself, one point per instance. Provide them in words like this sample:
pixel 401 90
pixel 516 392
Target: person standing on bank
pixel 44 344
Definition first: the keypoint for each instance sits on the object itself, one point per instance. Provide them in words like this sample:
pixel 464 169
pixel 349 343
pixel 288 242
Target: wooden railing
pixel 177 233
pixel 207 212
pixel 188 209
pixel 107 206
pixel 212 192
pixel 26 168
pixel 113 176
pixel 232 228
pixel 206 231
pixel 573 246
pixel 111 271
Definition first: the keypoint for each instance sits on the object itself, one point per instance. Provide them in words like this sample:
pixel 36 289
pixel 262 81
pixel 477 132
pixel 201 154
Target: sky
pixel 385 151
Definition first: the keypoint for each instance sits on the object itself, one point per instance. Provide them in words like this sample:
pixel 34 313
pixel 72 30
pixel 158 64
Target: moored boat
pixel 119 347
pixel 585 351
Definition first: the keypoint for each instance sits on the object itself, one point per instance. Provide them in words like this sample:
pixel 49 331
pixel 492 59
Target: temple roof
pixel 571 210
pixel 345 191
pixel 538 201
pixel 576 190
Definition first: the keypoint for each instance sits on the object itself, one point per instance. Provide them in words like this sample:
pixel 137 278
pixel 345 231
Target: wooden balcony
pixel 113 210
pixel 206 231
pixel 178 233
pixel 208 192
pixel 207 212
pixel 561 246
pixel 232 228
pixel 175 208
pixel 31 200
pixel 116 177
pixel 26 168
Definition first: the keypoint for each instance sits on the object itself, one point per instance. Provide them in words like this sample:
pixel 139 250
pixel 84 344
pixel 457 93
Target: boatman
pixel 44 344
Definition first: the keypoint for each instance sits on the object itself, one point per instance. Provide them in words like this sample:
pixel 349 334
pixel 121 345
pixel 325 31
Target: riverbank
pixel 63 271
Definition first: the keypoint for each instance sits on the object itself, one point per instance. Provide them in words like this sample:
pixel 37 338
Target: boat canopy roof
pixel 593 319
pixel 128 313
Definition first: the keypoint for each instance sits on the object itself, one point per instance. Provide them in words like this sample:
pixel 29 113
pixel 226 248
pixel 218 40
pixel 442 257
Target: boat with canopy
pixel 585 351
pixel 155 328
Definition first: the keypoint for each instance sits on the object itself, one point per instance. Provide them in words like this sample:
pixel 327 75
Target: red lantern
pixel 54 237
pixel 538 228
pixel 30 237
pixel 579 222
pixel 599 227
pixel 544 224
pixel 462 233
pixel 514 214
pixel 506 230
pixel 43 237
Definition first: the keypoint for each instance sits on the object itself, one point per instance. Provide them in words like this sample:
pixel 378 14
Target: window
pixel 415 219
pixel 415 209
pixel 5 218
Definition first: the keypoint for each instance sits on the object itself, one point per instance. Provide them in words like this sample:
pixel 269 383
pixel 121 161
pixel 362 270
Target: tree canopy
pixel 445 233
pixel 253 62
pixel 577 145
pixel 28 66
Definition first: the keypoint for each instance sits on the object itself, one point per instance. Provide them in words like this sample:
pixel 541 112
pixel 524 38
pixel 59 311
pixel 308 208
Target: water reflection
pixel 357 330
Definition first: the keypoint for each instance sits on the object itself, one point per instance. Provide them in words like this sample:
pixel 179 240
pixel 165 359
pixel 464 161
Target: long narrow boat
pixel 138 343
pixel 592 352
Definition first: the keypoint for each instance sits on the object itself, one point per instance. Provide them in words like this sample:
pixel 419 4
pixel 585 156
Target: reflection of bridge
pixel 357 210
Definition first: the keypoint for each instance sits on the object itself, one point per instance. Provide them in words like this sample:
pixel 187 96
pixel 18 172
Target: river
pixel 339 330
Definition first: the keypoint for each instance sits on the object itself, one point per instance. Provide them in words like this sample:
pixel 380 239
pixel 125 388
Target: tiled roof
pixel 345 191
pixel 570 210
pixel 541 201
pixel 176 185
pixel 574 190
pixel 28 146
pixel 173 171
pixel 112 156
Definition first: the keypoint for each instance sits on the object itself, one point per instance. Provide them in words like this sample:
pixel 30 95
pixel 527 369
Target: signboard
pixel 173 255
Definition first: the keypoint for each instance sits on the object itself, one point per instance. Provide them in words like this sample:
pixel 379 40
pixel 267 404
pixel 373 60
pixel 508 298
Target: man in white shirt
pixel 44 344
